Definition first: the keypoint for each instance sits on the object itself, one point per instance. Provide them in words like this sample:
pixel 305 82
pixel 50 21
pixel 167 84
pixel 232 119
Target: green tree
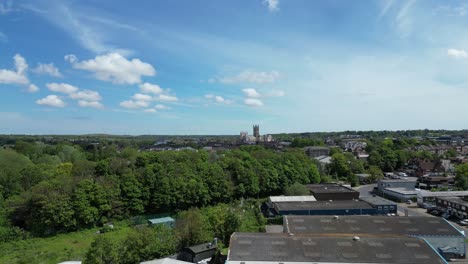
pixel 102 251
pixel 296 189
pixel 191 229
pixel 461 178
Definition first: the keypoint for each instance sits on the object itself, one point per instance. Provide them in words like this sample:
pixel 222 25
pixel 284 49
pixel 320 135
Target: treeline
pixel 45 189
pixel 193 227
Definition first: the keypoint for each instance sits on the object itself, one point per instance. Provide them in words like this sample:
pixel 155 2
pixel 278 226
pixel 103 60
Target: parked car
pixel 463 222
pixel 409 202
pixel 436 212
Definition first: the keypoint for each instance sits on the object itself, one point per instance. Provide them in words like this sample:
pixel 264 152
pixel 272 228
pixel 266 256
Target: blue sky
pixel 218 66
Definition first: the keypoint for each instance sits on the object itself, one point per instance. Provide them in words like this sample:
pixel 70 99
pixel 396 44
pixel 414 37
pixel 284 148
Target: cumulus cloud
pixel 166 98
pixel 150 88
pixel 250 76
pixel 48 69
pixel 252 93
pixel 92 104
pixel 253 102
pixel 18 76
pixel 150 110
pixel 219 99
pixel 141 97
pixel 62 88
pixel 33 88
pixel 131 104
pixel 272 5
pixel 86 95
pixel 161 107
pixel 456 53
pixel 114 68
pixel 51 100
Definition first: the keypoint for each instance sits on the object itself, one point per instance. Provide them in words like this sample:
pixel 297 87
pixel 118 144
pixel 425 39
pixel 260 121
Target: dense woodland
pixel 52 186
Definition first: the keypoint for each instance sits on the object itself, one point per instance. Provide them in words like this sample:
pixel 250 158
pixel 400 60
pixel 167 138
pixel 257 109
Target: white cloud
pixel 33 88
pixel 251 76
pixel 134 104
pixel 456 53
pixel 70 58
pixel 161 107
pixel 209 96
pixel 86 95
pixel 51 100
pixel 166 98
pixel 48 69
pixel 150 88
pixel 18 76
pixel 219 99
pixel 253 102
pixel 252 93
pixel 62 88
pixel 92 104
pixel 115 68
pixel 276 93
pixel 142 97
pixel 272 5
pixel 150 110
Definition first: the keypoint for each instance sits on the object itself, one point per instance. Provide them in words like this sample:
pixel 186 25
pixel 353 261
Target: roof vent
pixel 335 217
pixel 356 238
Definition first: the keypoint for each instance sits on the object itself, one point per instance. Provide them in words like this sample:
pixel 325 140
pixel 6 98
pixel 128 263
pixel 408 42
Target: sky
pixel 217 66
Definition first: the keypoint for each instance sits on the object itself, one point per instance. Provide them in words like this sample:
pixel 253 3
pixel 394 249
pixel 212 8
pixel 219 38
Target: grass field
pixel 71 246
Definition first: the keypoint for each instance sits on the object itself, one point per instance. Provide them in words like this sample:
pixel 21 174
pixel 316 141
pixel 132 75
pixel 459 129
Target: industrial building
pixel 440 234
pixel 253 248
pixel 399 190
pixel 455 206
pixel 428 197
pixel 307 206
pixel 332 191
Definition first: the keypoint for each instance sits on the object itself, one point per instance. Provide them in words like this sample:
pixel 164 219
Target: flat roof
pixel 265 247
pixel 329 188
pixel 161 220
pixel 375 200
pixel 323 205
pixel 456 200
pixel 404 191
pixel 301 198
pixel 425 193
pixel 374 225
pixel 402 179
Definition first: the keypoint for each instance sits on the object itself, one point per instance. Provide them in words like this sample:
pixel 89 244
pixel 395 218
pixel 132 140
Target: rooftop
pixel 202 247
pixel 371 225
pixel 403 179
pixel 161 220
pixel 404 191
pixel 375 200
pixel 326 249
pixel 425 193
pixel 323 205
pixel 302 198
pixel 456 200
pixel 165 261
pixel 329 188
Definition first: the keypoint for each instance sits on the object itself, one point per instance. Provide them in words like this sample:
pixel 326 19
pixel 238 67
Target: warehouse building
pixel 440 234
pixel 428 197
pixel 332 191
pixel 306 205
pixel 455 206
pixel 253 248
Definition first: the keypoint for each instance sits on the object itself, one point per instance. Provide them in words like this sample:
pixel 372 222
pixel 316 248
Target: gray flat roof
pixel 329 188
pixel 329 249
pixel 375 200
pixel 323 205
pixel 373 225
pixel 301 198
pixel 404 191
pixel 425 193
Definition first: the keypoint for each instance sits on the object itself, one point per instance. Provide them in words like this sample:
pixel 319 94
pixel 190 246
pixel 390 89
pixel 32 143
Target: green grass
pixel 71 246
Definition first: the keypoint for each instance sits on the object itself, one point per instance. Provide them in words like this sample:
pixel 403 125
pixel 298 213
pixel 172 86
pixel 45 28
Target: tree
pixel 190 228
pixel 297 189
pixel 461 178
pixel 102 251
pixel 375 174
